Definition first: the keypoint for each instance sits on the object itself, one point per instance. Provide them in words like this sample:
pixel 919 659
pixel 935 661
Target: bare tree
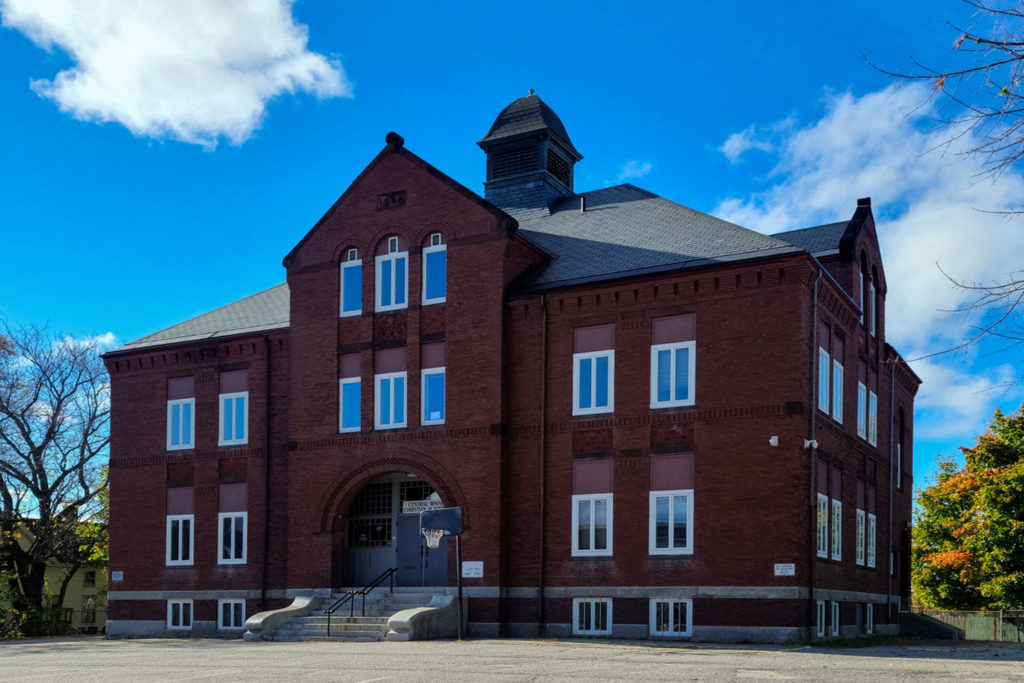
pixel 54 419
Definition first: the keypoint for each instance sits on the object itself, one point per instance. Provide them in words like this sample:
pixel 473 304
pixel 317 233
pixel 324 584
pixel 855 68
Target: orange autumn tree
pixel 969 526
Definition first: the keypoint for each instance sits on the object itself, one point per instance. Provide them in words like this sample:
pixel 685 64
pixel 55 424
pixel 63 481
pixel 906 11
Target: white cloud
pixel 739 143
pixel 100 342
pixel 634 169
pixel 927 195
pixel 190 70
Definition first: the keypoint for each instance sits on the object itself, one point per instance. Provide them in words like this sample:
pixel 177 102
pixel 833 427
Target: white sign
pixel 786 569
pixel 417 506
pixel 117 576
pixel 472 570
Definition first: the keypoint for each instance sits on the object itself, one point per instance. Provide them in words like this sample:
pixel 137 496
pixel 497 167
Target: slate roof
pixel 266 310
pixel 821 240
pixel 527 115
pixel 627 231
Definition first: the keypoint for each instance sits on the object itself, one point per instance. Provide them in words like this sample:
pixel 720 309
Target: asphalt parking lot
pixel 95 659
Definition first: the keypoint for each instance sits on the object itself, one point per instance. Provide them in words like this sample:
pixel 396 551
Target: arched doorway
pixel 382 530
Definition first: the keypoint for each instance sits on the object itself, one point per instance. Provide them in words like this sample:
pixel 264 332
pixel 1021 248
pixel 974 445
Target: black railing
pixel 350 596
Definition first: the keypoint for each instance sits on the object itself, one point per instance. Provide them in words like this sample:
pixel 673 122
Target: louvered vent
pixel 558 167
pixel 514 162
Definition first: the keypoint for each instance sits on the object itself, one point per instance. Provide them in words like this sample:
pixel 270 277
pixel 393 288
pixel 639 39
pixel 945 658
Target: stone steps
pixel 380 606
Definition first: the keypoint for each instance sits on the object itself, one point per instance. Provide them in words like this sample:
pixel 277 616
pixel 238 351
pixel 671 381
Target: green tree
pixel 969 527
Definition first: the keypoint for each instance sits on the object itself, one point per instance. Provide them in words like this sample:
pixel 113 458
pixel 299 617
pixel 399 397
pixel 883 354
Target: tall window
pixel 671 527
pixel 435 271
pixel 872 418
pixel 591 616
pixel 179 615
pixel 837 390
pixel 873 310
pixel 592 524
pixel 823 373
pixel 350 409
pixel 230 615
pixel 392 278
pixel 389 406
pixel 231 538
pixel 871 540
pixel 869 618
pixel 821 618
pixel 822 525
pixel 860 536
pixel 180 425
pixel 433 396
pixel 862 415
pixel 351 284
pixel 671 617
pixel 593 382
pixel 835 618
pixel 837 530
pixel 234 418
pixel 672 368
pixel 179 539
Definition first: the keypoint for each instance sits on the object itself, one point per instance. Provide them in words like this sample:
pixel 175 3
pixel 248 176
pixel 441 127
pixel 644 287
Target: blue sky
pixel 159 159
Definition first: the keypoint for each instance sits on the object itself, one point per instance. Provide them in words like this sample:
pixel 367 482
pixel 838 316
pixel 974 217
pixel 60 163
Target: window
pixel 873 310
pixel 180 426
pixel 860 295
pixel 835 618
pixel 592 616
pixel 862 418
pixel 823 372
pixel 231 537
pixel 89 579
pixel 434 271
pixel 837 530
pixel 899 465
pixel 871 540
pixel 349 405
pixel 672 367
pixel 837 391
pixel 821 618
pixel 230 615
pixel 671 617
pixel 351 284
pixel 671 531
pixel 860 536
pixel 822 525
pixel 392 280
pixel 179 615
pixel 433 396
pixel 179 539
pixel 872 418
pixel 234 418
pixel 593 381
pixel 592 524
pixel 389 408
pixel 869 618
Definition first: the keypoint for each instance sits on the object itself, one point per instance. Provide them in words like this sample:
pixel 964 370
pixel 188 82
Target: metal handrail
pixel 350 596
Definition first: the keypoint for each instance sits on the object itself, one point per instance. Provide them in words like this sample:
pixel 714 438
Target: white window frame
pixel 220 537
pixel 433 248
pixel 377 380
pixel 579 630
pixel 221 626
pixel 861 523
pixel 591 551
pixel 837 530
pixel 821 618
pixel 690 370
pixel 171 604
pixel 577 358
pixel 652 525
pixel 342 429
pixel 823 522
pixel 837 391
pixel 872 418
pixel 862 410
pixel 171 562
pixel 233 396
pixel 824 372
pixel 871 540
pixel 427 372
pixel 180 403
pixel 673 604
pixel 394 256
pixel 869 618
pixel 341 288
pixel 835 618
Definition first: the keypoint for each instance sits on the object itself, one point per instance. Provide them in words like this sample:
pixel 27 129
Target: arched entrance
pixel 382 530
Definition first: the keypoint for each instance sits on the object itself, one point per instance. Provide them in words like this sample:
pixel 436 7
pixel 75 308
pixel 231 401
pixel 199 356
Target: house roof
pixel 525 116
pixel 822 240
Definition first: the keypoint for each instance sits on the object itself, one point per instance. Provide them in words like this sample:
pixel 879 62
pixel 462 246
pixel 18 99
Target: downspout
pixel 812 607
pixel 892 409
pixel 543 454
pixel 266 475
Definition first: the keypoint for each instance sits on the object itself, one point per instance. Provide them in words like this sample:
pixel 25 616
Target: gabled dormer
pixel 530 158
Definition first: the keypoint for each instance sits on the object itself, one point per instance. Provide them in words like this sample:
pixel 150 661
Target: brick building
pixel 656 422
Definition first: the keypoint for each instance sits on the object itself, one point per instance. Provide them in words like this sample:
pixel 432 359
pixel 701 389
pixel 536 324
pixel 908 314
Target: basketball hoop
pixel 433 537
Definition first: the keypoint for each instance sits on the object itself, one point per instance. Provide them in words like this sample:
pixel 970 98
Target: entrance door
pixel 419 565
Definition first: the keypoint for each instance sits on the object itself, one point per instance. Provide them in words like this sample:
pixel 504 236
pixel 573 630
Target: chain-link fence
pixel 1002 625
